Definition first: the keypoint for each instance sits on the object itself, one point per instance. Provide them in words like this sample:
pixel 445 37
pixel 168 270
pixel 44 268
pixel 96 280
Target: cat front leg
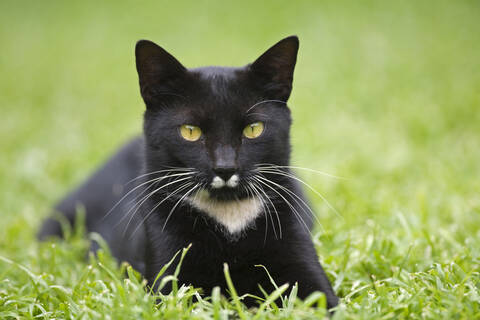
pixel 310 278
pixel 301 266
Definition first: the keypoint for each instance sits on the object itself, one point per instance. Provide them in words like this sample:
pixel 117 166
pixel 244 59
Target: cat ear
pixel 158 71
pixel 275 68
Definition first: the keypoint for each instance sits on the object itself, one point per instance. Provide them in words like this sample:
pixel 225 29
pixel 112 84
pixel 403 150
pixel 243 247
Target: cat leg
pixel 310 278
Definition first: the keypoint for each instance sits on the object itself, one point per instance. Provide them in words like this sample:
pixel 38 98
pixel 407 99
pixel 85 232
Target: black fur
pixel 219 100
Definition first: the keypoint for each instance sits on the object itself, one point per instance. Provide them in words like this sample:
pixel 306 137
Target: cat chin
pixel 234 215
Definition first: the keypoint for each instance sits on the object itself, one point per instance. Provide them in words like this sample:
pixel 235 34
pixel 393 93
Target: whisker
pixel 265 207
pixel 251 194
pixel 264 101
pixel 176 204
pixel 154 184
pixel 274 166
pixel 140 185
pixel 289 175
pixel 182 187
pixel 160 171
pixel 145 198
pixel 198 190
pixel 160 179
pixel 297 214
pixel 262 115
pixel 302 204
pixel 274 208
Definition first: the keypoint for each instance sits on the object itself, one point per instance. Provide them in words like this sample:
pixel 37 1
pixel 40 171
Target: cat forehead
pixel 223 87
pixel 221 80
pixel 217 72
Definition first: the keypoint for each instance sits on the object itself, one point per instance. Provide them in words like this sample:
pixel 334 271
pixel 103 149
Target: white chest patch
pixel 234 215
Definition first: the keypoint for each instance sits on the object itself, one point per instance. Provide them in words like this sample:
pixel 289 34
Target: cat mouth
pixel 227 194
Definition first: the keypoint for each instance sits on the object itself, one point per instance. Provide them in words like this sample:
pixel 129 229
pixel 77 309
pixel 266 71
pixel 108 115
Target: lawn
pixel 386 95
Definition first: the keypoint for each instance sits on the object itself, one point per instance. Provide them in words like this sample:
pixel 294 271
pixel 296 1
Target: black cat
pixel 211 170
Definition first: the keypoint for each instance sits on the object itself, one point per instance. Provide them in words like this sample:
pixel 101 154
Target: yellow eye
pixel 253 130
pixel 190 133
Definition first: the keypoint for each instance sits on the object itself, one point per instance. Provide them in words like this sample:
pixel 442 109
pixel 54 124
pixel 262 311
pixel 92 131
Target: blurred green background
pixel 386 94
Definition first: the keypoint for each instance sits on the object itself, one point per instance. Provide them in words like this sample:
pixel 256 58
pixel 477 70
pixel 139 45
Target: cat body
pixel 210 171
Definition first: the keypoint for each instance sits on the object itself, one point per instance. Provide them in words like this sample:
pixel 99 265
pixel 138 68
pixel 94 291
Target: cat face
pixel 220 122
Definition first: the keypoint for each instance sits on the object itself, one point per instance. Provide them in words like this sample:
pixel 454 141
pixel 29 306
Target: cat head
pixel 219 122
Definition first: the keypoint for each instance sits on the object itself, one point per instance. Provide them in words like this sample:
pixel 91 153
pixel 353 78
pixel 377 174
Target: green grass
pixel 386 94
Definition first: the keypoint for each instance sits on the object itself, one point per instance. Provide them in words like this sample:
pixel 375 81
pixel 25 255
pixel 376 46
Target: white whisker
pixel 251 193
pixel 274 208
pixel 145 198
pixel 302 204
pixel 152 181
pixel 273 166
pixel 265 206
pixel 297 214
pixel 161 171
pixel 178 202
pixel 289 175
pixel 264 101
pixel 182 187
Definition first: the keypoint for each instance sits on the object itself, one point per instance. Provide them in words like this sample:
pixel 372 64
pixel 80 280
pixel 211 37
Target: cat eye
pixel 190 133
pixel 253 130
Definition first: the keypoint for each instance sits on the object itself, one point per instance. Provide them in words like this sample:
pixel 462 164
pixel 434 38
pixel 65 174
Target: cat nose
pixel 225 164
pixel 225 172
